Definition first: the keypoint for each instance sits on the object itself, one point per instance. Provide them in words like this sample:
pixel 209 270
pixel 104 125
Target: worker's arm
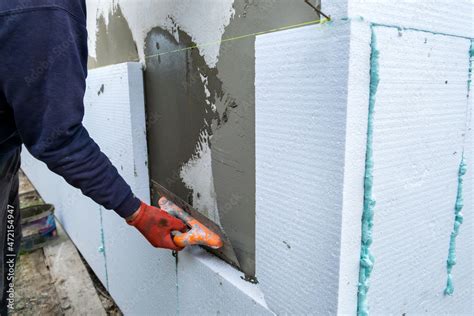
pixel 45 88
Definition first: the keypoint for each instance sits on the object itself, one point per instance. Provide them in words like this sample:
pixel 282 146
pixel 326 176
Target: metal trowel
pixel 202 232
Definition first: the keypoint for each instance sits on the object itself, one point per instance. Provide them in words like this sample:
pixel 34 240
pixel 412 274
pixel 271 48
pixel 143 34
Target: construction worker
pixel 43 69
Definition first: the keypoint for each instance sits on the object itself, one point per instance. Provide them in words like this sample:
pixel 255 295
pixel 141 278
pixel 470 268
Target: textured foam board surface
pixel 208 286
pixel 141 279
pixel 79 215
pixel 354 165
pixel 442 16
pixel 468 202
pixel 301 92
pixel 134 272
pixel 137 272
pixel 419 123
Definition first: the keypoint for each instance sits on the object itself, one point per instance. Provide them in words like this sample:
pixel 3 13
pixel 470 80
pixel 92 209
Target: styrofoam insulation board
pixel 354 165
pixel 209 286
pixel 442 16
pixel 419 122
pixel 115 118
pixel 50 185
pixel 141 279
pixel 468 196
pixel 301 110
pixel 78 215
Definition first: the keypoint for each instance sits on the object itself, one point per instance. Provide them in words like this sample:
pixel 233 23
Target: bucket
pixel 38 226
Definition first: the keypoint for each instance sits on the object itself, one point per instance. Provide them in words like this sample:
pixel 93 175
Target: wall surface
pixel 142 280
pixel 107 104
pixel 419 140
pixel 200 102
pixel 373 106
pixel 419 122
pixel 301 113
pixel 410 88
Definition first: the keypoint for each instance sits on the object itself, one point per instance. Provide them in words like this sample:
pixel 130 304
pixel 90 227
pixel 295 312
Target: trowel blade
pixel 227 252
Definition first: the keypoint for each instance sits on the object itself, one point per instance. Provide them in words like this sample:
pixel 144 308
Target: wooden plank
pixel 34 292
pixel 71 279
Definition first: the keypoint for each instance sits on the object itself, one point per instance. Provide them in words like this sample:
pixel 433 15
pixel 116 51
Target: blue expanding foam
pixel 458 219
pixel 366 257
pixel 469 74
pixel 458 216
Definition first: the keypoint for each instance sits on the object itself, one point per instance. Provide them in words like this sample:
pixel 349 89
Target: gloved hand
pixel 156 225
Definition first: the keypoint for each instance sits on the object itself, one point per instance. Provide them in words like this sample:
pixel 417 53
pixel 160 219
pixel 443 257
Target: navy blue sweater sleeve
pixel 47 62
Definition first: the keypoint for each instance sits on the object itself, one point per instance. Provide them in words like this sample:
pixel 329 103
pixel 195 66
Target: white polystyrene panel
pixel 354 165
pixel 79 215
pixel 141 279
pixel 209 286
pixel 115 115
pixel 301 96
pixel 419 122
pixel 443 16
pixel 136 272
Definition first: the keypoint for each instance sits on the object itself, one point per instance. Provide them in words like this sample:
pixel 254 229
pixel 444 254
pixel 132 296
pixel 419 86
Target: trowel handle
pixel 198 233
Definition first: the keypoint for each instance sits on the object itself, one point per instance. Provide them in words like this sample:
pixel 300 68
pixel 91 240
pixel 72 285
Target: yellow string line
pixel 321 21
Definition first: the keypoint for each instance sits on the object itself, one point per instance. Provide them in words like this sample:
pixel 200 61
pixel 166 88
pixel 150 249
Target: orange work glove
pixel 156 225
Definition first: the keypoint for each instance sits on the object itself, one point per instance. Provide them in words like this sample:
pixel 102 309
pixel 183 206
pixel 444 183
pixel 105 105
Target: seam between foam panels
pixel 459 204
pixel 102 249
pixel 366 256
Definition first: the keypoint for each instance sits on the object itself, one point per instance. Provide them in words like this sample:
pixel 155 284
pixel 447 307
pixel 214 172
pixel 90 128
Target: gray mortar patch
pixel 114 42
pixel 175 95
